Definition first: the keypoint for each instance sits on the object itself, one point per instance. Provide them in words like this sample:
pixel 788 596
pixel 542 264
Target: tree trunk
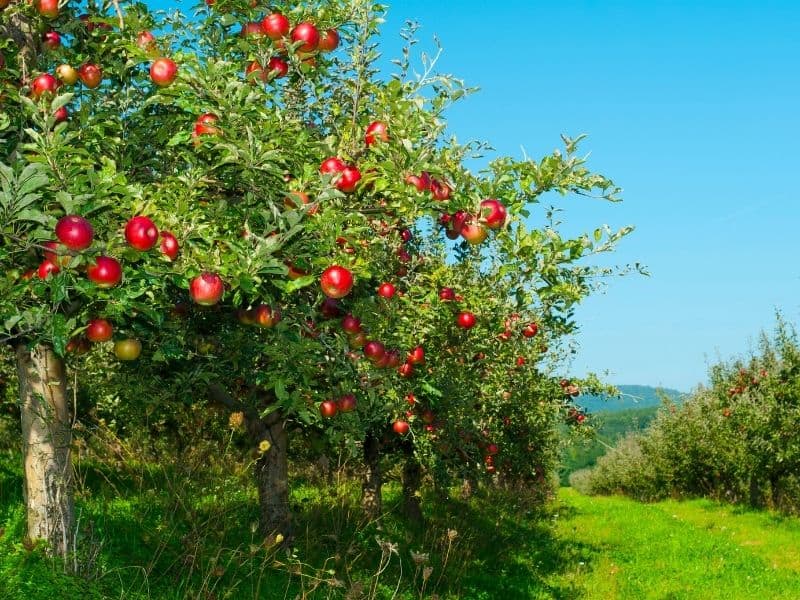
pixel 468 487
pixel 756 497
pixel 272 480
pixel 412 481
pixel 371 499
pixel 271 470
pixel 46 441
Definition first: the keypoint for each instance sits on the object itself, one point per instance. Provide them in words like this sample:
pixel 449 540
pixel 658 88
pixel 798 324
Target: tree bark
pixel 412 481
pixel 468 487
pixel 271 471
pixel 272 480
pixel 46 442
pixel 371 499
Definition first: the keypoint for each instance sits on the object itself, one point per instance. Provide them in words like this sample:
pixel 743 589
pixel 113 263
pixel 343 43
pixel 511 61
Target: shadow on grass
pixel 164 534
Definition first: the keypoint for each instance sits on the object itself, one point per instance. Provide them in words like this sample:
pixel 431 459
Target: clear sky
pixel 693 109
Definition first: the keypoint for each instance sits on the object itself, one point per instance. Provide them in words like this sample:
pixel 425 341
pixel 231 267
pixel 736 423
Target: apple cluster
pixel 305 37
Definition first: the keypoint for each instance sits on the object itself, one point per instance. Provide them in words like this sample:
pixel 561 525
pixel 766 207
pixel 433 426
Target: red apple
pixel 411 399
pixel 421 182
pixel 206 289
pixel 332 165
pixel 406 236
pixel 163 71
pixel 336 282
pixel 400 427
pixel 328 40
pixel 392 359
pixel 308 34
pixel 105 272
pixel 74 232
pixel 146 40
pixel 55 254
pixel 374 351
pixel 47 8
pixel 386 290
pixel 346 403
pixel 530 330
pixel 377 131
pixel 61 114
pixel 251 29
pixel 447 294
pixel 351 324
pixel 440 190
pixel 328 409
pixel 129 349
pixel 474 232
pixel 141 233
pixel 47 268
pixel 330 308
pixel 255 67
pixel 51 40
pixel 78 346
pixel 348 180
pixel 43 84
pixel 277 67
pixel 91 75
pixel 99 330
pixel 169 245
pixel 406 370
pixel 275 26
pixel 466 320
pixel 265 316
pixel 493 213
pixel 417 356
pixel 206 125
pixel 492 449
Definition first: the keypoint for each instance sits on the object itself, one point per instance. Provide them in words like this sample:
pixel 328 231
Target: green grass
pixel 162 533
pixel 695 549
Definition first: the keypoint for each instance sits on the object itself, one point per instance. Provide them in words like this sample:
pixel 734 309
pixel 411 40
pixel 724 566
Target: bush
pixel 735 440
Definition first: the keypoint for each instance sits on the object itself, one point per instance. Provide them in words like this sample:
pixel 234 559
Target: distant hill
pixel 611 426
pixel 633 396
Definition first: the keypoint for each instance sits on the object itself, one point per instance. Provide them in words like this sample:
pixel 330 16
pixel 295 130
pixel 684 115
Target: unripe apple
pixel 67 74
pixel 129 349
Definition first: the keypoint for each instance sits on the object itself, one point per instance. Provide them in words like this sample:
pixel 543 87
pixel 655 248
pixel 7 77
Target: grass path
pixel 675 550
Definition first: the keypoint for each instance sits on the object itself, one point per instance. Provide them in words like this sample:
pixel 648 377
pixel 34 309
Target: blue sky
pixel 693 109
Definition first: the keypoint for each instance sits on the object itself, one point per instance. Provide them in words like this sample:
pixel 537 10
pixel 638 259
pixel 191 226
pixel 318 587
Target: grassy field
pixel 155 535
pixel 694 549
